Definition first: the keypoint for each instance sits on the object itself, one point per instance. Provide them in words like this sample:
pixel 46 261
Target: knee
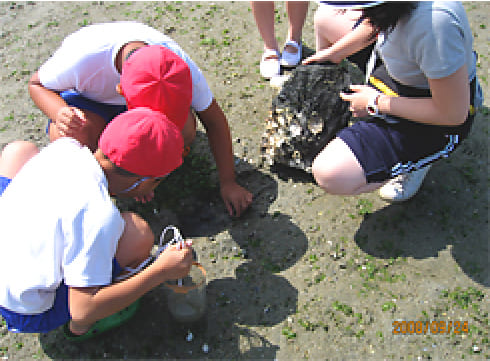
pixel 337 170
pixel 19 147
pixel 335 178
pixel 324 176
pixel 318 17
pixel 139 231
pixel 136 241
pixel 322 17
pixel 87 135
pixel 317 20
pixel 15 155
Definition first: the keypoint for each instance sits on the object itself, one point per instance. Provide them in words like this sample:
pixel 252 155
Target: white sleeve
pixel 94 235
pixel 202 95
pixel 58 72
pixel 441 51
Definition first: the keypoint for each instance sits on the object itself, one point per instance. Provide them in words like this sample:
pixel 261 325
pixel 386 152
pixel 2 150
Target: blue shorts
pixel 57 315
pixel 4 182
pixel 106 111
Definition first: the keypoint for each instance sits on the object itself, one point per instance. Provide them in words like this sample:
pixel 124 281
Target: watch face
pixel 372 110
pixel 372 106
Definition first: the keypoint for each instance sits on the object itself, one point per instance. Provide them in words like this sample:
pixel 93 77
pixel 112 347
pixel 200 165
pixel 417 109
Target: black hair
pixel 120 170
pixel 131 52
pixel 385 16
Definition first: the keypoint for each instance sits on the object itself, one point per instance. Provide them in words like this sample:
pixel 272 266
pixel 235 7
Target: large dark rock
pixel 305 115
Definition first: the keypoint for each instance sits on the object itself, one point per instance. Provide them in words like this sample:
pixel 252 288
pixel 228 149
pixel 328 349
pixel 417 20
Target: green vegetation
pixel 464 298
pixel 288 332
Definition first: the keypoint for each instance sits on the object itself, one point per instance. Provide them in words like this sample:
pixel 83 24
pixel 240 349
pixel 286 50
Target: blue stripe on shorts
pixel 57 315
pixel 4 182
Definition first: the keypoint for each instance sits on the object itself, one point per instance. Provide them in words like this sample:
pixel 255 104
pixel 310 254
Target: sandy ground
pixel 302 275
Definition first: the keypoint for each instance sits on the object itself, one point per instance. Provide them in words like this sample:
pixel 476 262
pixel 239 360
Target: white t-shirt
pixel 85 62
pixel 57 222
pixel 433 42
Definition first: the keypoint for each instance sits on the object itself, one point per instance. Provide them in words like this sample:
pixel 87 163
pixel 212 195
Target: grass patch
pixel 464 298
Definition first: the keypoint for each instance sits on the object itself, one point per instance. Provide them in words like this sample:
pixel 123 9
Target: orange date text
pixel 429 327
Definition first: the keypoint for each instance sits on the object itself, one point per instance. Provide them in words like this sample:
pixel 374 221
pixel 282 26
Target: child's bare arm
pixel 89 304
pixel 67 119
pixel 352 42
pixel 214 121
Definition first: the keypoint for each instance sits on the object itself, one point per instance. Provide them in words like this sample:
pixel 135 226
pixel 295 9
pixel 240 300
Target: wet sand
pixel 301 275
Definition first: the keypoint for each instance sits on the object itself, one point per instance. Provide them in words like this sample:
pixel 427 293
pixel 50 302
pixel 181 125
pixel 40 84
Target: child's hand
pixel 320 56
pixel 359 99
pixel 69 120
pixel 146 198
pixel 175 261
pixel 236 198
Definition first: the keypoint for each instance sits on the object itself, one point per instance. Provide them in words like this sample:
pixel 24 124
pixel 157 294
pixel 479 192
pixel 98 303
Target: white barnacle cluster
pixel 304 116
pixel 284 127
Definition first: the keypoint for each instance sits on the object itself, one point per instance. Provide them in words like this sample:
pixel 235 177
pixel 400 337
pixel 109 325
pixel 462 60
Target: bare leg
pixel 88 135
pixel 14 156
pixel 263 12
pixel 136 242
pixel 331 25
pixel 337 170
pixel 297 11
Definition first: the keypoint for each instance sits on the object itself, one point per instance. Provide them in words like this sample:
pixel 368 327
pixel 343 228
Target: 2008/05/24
pixel 432 327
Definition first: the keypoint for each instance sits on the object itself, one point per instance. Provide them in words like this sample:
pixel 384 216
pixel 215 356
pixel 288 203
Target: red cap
pixel 144 142
pixel 157 78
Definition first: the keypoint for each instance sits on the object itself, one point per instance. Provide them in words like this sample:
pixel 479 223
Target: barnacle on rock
pixel 305 115
pixel 315 125
pixel 295 130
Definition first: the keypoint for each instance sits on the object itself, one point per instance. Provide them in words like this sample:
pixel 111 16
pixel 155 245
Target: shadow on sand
pixel 450 210
pixel 256 296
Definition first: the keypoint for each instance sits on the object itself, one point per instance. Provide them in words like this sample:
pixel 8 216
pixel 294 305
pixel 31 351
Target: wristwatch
pixel 372 105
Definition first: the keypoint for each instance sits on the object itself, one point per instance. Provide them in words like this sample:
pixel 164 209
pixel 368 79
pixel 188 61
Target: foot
pixel 403 187
pixel 291 55
pixel 77 330
pixel 72 333
pixel 269 64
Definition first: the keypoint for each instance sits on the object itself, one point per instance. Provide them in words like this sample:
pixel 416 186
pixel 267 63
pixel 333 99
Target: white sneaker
pixel 403 187
pixel 269 64
pixel 291 59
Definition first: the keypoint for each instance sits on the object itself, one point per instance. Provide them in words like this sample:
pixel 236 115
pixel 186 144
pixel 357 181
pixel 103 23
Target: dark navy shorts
pixel 106 111
pixel 386 148
pixel 57 315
